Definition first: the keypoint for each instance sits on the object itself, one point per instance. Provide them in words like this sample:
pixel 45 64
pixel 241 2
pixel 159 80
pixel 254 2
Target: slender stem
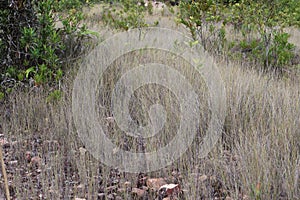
pixel 4 175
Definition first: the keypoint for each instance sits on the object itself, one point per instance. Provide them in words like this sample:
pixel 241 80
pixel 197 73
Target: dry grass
pixel 257 158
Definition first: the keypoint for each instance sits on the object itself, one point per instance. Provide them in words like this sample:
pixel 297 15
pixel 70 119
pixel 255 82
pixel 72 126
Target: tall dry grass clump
pixel 256 158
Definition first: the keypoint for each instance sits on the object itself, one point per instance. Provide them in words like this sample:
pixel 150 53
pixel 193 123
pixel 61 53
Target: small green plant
pixel 54 96
pixel 149 8
pixel 128 14
pixel 2 95
pixel 256 192
pixel 281 51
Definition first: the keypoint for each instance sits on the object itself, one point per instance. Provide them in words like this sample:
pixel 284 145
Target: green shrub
pixel 200 18
pixel 261 24
pixel 267 19
pixel 32 43
pixel 126 14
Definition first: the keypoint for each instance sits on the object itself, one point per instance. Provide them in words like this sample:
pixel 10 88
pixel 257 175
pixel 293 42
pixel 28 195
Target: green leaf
pixel 28 71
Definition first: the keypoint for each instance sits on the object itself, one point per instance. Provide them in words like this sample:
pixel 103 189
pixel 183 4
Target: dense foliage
pixel 37 38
